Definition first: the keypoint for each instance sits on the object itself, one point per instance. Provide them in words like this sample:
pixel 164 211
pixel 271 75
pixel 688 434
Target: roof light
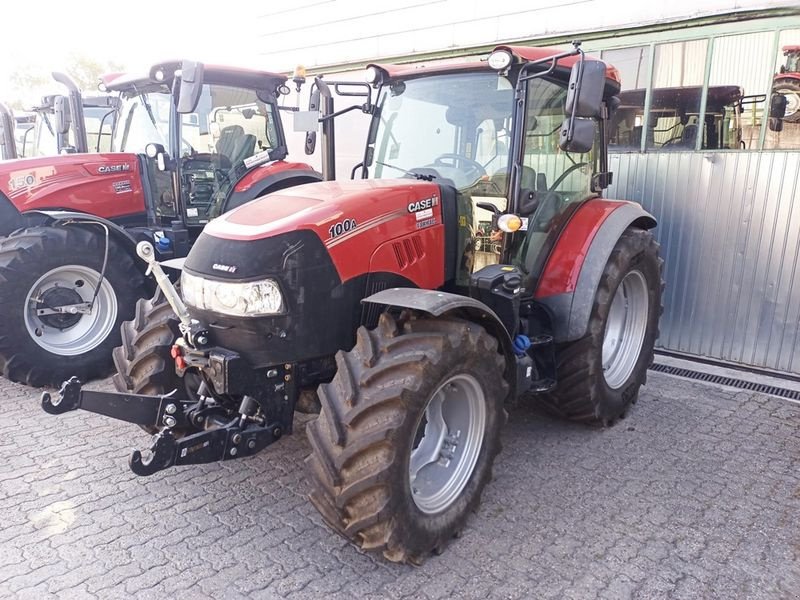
pixel 500 60
pixel 372 75
pixel 159 75
pixel 299 72
pixel 509 223
pixel 102 87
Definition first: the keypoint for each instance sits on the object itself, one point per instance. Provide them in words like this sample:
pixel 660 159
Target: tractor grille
pixel 729 381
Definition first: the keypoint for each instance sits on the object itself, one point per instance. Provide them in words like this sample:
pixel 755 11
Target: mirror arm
pixel 577 93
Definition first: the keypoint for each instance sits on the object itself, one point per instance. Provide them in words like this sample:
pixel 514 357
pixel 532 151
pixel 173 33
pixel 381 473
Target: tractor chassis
pixel 217 436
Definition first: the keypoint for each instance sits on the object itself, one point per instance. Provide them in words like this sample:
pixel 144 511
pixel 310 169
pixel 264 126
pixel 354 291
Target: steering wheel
pixel 565 174
pixel 473 165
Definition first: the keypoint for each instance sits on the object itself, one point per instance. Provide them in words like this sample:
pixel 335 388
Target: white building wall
pixel 318 33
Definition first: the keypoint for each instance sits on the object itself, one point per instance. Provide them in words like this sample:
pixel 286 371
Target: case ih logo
pixel 106 169
pixel 226 268
pixel 423 204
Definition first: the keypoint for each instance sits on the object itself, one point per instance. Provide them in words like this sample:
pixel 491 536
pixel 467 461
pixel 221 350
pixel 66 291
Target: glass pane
pixel 736 96
pixel 633 65
pixel 678 74
pixel 784 131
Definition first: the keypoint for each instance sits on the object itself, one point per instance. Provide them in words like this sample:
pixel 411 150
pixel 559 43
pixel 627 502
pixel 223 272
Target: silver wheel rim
pixel 625 329
pixel 792 100
pixel 90 330
pixel 448 442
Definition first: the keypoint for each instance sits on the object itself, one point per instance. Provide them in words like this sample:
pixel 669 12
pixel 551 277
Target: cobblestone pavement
pixel 695 495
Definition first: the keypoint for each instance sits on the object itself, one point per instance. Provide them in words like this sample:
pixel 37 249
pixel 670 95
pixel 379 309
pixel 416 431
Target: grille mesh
pixel 729 381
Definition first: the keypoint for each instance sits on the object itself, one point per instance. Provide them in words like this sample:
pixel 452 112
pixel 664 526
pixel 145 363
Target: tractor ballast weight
pixel 368 301
pixel 71 222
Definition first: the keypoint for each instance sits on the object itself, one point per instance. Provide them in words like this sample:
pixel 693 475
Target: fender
pixel 437 303
pixel 269 178
pixel 574 268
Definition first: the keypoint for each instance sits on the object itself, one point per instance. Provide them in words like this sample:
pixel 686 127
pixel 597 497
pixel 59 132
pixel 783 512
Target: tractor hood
pixel 352 219
pixel 106 185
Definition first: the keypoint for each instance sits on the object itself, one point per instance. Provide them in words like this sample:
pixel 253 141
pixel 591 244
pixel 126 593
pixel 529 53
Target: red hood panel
pixel 354 219
pixel 107 185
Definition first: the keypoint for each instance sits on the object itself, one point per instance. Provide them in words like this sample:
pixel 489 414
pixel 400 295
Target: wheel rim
pixel 625 329
pixel 792 101
pixel 72 334
pixel 447 443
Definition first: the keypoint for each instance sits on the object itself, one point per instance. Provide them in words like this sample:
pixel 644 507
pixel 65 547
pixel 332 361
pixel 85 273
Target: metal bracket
pixel 225 443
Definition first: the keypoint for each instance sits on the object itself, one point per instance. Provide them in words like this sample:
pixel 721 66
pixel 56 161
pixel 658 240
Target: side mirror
pixel 587 80
pixel 62 115
pixel 160 155
pixel 579 137
pixel 191 87
pixel 314 108
pixel 777 111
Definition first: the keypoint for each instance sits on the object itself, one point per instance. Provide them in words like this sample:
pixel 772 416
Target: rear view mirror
pixel 777 111
pixel 586 84
pixel 313 107
pixel 191 86
pixel 579 138
pixel 62 115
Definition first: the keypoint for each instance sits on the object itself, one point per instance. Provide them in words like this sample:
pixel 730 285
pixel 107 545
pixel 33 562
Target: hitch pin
pixel 147 254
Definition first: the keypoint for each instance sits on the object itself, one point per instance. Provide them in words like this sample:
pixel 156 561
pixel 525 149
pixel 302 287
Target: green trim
pixel 698 143
pixel 713 25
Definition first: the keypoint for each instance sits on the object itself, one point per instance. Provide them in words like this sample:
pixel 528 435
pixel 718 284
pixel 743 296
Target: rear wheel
pixel 599 376
pixel 790 88
pixel 409 429
pixel 50 276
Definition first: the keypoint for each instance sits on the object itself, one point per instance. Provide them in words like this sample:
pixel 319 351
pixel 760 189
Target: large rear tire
pixel 42 268
pixel 790 88
pixel 599 375
pixel 409 429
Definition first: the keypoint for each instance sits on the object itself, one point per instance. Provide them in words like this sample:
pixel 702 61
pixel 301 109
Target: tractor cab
pixel 459 126
pixel 792 54
pixel 196 141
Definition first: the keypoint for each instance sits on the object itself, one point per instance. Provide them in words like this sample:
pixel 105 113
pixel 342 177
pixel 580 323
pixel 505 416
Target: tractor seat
pixel 245 147
pixel 689 136
pixel 228 138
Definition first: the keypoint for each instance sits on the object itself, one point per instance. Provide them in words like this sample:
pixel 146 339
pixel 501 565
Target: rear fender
pixel 574 268
pixel 439 304
pixel 265 180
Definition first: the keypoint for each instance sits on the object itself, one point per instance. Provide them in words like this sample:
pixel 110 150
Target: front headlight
pixel 250 299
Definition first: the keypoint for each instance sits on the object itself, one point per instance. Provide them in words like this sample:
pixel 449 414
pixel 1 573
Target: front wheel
pixel 409 429
pixel 599 375
pixel 58 316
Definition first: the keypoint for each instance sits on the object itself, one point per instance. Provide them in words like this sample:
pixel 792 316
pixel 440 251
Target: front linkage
pixel 260 422
pixel 207 428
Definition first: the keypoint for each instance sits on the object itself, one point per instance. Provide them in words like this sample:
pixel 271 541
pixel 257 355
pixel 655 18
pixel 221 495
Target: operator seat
pixel 228 138
pixel 689 136
pixel 245 147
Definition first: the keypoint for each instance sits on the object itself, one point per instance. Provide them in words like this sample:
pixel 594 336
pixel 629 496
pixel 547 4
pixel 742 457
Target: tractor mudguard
pixel 10 218
pixel 292 175
pixel 573 270
pixel 65 217
pixel 437 304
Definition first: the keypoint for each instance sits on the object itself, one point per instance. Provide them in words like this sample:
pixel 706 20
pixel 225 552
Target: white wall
pixel 318 33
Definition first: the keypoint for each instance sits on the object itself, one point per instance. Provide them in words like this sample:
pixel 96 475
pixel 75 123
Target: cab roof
pixel 218 74
pixel 522 54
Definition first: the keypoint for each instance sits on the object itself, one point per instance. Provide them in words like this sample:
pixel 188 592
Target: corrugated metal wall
pixel 729 225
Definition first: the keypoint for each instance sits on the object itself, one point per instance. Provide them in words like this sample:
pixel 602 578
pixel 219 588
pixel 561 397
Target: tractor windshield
pixel 454 126
pixel 144 119
pixel 793 61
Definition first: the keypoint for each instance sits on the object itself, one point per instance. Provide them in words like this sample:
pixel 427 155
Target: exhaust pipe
pixel 76 110
pixel 8 147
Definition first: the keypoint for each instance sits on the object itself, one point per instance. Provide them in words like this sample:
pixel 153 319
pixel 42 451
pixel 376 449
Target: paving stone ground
pixel 695 495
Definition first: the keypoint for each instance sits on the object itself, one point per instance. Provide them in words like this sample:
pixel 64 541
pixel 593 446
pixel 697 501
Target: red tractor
pixel 70 224
pixel 787 83
pixel 363 300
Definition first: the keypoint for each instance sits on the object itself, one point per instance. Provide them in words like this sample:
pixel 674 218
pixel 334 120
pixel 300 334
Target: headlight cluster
pixel 251 299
